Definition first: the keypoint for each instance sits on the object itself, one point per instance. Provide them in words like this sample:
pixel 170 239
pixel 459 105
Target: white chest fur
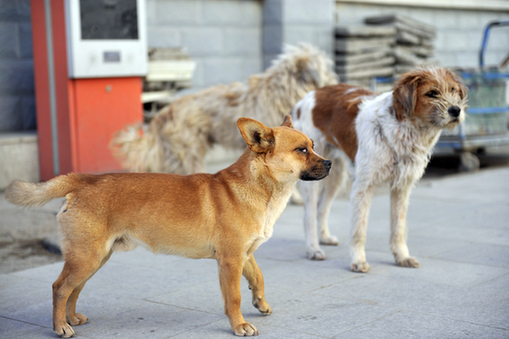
pixel 275 207
pixel 391 150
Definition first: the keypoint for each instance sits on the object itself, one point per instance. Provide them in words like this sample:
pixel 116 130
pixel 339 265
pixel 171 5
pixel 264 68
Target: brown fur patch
pixel 336 108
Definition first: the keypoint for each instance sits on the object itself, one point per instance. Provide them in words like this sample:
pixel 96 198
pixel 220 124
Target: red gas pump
pixel 89 59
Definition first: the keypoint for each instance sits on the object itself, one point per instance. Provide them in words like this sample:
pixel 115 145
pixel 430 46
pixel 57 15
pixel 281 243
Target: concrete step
pixel 19 157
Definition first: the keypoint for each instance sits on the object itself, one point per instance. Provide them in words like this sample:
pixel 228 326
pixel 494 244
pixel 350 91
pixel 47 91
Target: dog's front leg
pixel 331 186
pixel 360 202
pixel 399 204
pixel 230 275
pixel 255 279
pixel 309 190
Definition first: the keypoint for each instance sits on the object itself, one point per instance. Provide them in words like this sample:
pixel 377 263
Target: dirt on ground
pixel 26 236
pixel 29 238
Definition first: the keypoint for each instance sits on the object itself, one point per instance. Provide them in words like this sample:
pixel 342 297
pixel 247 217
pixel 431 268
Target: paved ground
pixel 458 228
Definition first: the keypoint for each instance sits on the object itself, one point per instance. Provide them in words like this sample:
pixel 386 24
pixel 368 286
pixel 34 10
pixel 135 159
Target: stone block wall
pixel 224 37
pixel 294 21
pixel 17 100
pixel 459 31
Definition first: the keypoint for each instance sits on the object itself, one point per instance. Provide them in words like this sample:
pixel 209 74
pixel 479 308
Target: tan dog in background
pixel 180 135
pixel 224 216
pixel 389 137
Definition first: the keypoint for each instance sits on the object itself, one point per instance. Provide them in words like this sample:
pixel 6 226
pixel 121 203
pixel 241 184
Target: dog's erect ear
pixel 259 138
pixel 288 121
pixel 405 95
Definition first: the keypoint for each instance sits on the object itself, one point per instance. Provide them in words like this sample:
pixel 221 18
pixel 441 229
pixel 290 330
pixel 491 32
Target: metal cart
pixel 486 123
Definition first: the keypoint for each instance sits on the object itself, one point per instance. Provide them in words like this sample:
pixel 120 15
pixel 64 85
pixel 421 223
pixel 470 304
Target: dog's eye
pixel 453 89
pixel 432 94
pixel 302 150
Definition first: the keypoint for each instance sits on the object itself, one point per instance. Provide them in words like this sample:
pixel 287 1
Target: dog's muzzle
pixel 454 111
pixel 318 172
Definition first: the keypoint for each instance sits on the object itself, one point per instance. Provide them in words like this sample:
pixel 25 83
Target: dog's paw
pixel 316 254
pixel 361 267
pixel 245 330
pixel 63 329
pixel 331 240
pixel 262 306
pixel 77 319
pixel 408 262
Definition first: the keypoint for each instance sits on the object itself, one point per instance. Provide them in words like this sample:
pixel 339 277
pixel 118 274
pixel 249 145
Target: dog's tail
pixel 137 150
pixel 32 195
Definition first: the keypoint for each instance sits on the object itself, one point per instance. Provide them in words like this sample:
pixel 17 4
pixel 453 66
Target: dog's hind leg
pixel 399 204
pixel 230 276
pixel 332 184
pixel 72 317
pixel 255 279
pixel 81 262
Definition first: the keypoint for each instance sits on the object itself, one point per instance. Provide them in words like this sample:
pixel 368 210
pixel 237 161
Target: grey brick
pixel 424 15
pixel 198 75
pixel 456 40
pixel 222 70
pixel 25 40
pixel 222 12
pixel 164 36
pixel 468 20
pixel 17 77
pixel 355 15
pixel 469 59
pixel 28 112
pixel 202 40
pixel 494 58
pixel 174 12
pixel 324 39
pixel 242 41
pixel 474 39
pixel 252 66
pixel 15 10
pixel 293 34
pixel 268 59
pixel 447 58
pixel 498 39
pixel 446 19
pixel 11 118
pixel 23 8
pixel 252 13
pixel 305 11
pixel 272 39
pixel 8 40
pixel 272 11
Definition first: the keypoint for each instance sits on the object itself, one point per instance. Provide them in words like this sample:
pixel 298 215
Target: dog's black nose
pixel 454 111
pixel 327 164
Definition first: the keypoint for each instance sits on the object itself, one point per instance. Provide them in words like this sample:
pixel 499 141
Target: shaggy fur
pixel 180 135
pixel 389 137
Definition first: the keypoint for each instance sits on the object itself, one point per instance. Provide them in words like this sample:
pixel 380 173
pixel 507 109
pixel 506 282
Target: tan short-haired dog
pixel 389 137
pixel 224 216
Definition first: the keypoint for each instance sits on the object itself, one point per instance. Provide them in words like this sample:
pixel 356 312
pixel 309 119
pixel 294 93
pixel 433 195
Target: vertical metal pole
pixel 52 91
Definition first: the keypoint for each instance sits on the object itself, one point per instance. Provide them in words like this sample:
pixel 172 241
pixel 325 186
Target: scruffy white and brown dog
pixel 389 137
pixel 180 135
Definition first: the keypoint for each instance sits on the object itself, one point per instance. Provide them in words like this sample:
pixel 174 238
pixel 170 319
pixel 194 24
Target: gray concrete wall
pixel 17 101
pixel 459 35
pixel 224 37
pixel 233 39
pixel 294 21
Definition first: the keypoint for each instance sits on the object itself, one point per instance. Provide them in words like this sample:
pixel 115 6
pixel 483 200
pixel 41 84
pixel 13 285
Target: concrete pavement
pixel 458 229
